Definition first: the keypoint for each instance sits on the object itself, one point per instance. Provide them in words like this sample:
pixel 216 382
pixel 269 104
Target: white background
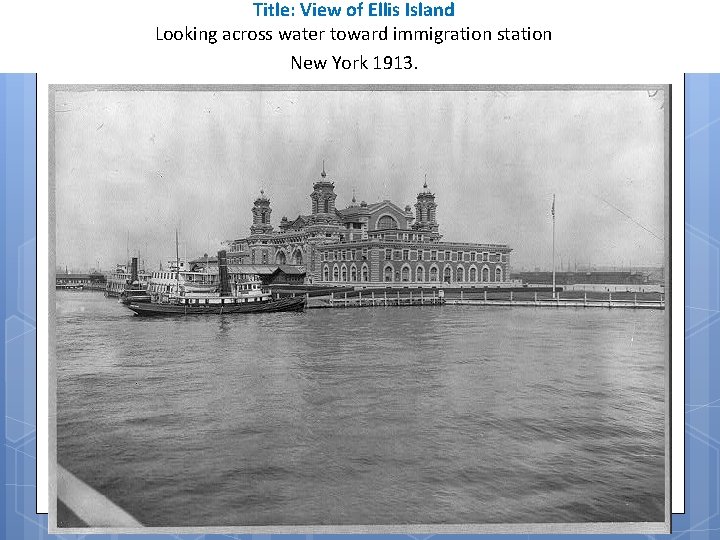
pixel 593 43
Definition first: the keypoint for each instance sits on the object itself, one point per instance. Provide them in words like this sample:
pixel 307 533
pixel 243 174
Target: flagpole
pixel 553 213
pixel 177 263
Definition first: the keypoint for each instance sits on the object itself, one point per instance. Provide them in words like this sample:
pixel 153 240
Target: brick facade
pixel 368 243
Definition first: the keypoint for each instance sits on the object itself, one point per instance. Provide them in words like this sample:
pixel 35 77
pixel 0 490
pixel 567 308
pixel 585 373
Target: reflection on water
pixel 453 414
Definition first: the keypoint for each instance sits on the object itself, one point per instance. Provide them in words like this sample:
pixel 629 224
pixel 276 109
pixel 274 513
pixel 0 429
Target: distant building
pixel 93 280
pixel 584 278
pixel 367 243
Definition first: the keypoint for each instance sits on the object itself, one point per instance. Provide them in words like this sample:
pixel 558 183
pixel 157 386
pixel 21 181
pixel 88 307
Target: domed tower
pixel 261 215
pixel 425 211
pixel 323 195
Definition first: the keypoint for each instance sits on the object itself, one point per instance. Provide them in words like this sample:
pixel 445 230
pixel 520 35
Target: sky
pixel 131 167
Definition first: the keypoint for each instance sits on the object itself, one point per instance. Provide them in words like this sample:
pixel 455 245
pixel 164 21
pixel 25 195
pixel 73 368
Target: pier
pixel 569 299
pixel 380 298
pixel 348 297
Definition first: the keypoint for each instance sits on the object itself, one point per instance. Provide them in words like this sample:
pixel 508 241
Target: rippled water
pixel 453 414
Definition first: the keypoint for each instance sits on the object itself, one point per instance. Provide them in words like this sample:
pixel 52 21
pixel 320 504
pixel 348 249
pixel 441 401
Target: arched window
pixel 364 272
pixel 498 274
pixel 419 274
pixel 473 274
pixel 434 274
pixel 297 257
pixel 336 274
pixel 485 274
pixel 405 276
pixel 447 275
pixel 353 273
pixel 343 274
pixel 387 222
pixel 326 207
pixel 326 273
pixel 460 274
pixel 280 258
pixel 388 273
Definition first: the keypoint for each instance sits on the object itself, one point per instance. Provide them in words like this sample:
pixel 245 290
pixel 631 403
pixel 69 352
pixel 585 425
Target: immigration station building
pixel 368 244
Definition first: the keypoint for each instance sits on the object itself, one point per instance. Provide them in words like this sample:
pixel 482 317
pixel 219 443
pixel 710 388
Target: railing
pixel 635 300
pixel 93 508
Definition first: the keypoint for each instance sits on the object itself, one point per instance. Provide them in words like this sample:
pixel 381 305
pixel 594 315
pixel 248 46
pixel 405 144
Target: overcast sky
pixel 141 164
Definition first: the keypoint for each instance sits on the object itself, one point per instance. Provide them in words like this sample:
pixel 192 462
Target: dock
pixel 383 298
pixel 481 296
pixel 562 303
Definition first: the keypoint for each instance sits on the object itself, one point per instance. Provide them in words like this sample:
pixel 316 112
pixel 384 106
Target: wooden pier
pixel 376 299
pixel 567 299
pixel 562 303
pixel 404 296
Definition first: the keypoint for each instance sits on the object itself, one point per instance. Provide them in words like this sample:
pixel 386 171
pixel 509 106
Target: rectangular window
pixel 433 256
pixel 485 256
pixel 264 256
pixel 353 253
pixel 342 255
pixel 405 237
pixel 460 256
pixel 406 254
pixel 419 255
pixel 388 254
pixel 447 255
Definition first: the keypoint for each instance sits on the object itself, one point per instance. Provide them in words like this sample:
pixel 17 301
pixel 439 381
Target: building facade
pixel 368 243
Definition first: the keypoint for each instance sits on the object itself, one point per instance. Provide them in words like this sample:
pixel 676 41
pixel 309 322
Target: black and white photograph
pixel 418 309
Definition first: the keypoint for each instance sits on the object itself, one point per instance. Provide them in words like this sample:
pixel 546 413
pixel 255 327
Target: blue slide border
pixel 18 115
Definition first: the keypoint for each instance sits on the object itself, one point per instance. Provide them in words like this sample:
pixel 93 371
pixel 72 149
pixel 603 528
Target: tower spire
pixel 261 215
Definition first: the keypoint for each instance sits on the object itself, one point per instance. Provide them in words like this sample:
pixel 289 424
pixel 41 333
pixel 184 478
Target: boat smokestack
pixel 224 277
pixel 134 270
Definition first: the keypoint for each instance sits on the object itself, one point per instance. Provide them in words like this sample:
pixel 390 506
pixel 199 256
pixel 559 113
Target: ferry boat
pixel 192 293
pixel 180 278
pixel 126 278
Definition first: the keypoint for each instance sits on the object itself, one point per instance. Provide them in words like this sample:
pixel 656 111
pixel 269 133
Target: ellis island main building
pixel 368 243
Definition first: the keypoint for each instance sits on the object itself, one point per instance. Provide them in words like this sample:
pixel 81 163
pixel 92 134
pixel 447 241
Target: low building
pixel 92 280
pixel 269 274
pixel 584 278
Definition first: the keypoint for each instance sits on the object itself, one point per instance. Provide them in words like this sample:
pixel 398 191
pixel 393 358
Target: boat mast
pixel 177 263
pixel 553 247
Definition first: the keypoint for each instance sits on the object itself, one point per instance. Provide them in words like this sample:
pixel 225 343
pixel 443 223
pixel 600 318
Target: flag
pixel 553 206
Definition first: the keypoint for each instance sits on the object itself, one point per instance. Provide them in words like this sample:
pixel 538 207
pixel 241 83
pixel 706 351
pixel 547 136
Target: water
pixel 453 414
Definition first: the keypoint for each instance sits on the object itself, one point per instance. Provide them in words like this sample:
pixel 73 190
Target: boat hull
pixel 154 309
